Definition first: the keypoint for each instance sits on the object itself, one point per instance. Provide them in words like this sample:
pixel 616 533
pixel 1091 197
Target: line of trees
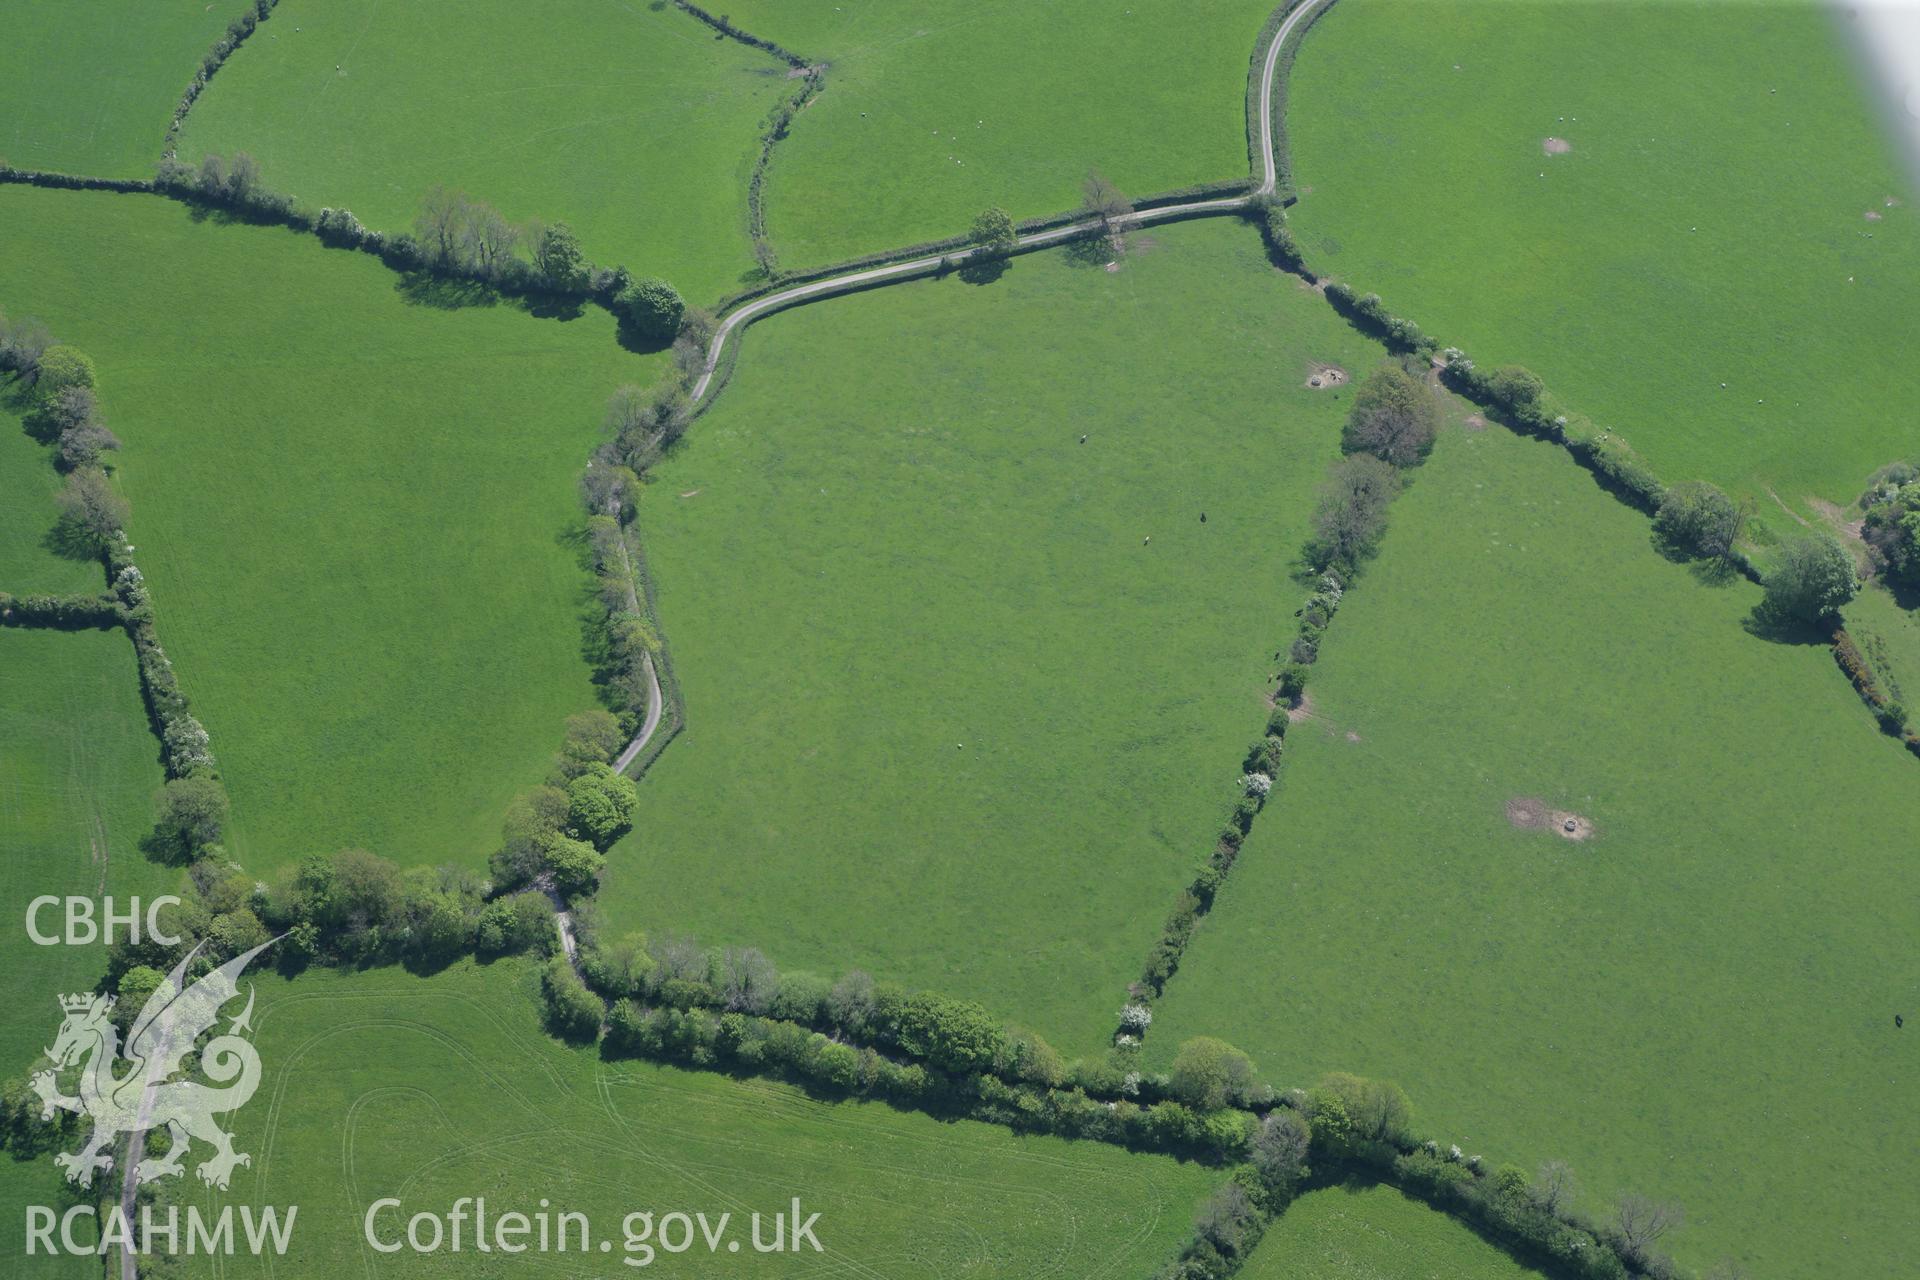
pixel 1390 428
pixel 62 386
pixel 558 833
pixel 454 234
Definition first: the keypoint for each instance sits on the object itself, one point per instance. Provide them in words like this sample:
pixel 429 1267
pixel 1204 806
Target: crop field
pixel 889 569
pixel 493 1107
pixel 646 155
pixel 1728 214
pixel 78 770
pixel 1374 1233
pixel 1698 1002
pixel 28 482
pixel 936 109
pixel 90 88
pixel 353 509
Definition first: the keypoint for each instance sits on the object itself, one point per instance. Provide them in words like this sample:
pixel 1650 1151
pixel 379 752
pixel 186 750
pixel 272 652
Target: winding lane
pixel 747 312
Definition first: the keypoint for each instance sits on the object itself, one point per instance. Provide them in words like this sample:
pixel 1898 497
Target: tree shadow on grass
pixel 1089 252
pixel 983 270
pixel 1716 572
pixel 632 340
pixel 444 293
pixel 70 539
pixel 555 306
pixel 1780 628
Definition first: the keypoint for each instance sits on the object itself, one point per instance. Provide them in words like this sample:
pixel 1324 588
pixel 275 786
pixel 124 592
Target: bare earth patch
pixel 1301 710
pixel 1555 146
pixel 1474 422
pixel 1322 376
pixel 1789 510
pixel 1835 516
pixel 1873 215
pixel 1530 814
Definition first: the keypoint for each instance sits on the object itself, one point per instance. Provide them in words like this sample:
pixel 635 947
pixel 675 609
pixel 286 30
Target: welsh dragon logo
pixel 148 1097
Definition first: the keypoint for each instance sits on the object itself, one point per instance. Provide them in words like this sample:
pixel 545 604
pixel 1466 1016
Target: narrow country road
pixel 749 311
pixel 753 309
pixel 652 722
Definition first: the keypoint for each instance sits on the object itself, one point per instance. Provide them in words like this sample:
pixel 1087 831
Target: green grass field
pixel 1712 222
pixel 488 1105
pixel 78 768
pixel 1890 637
pixel 353 512
pixel 28 482
pixel 630 122
pixel 1374 1233
pixel 1699 1002
pixel 90 88
pixel 950 719
pixel 936 109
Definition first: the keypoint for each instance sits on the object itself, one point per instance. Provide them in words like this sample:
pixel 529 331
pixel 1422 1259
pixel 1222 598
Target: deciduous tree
pixel 1393 417
pixel 92 512
pixel 993 232
pixel 1812 577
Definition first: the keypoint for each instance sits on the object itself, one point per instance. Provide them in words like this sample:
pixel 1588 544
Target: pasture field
pixel 492 1107
pixel 951 718
pixel 631 122
pixel 1890 637
pixel 1374 1233
pixel 936 109
pixel 1728 213
pixel 78 769
pixel 353 509
pixel 1698 1002
pixel 90 88
pixel 28 482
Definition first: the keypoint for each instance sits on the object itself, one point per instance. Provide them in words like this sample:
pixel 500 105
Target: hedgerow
pixel 236 34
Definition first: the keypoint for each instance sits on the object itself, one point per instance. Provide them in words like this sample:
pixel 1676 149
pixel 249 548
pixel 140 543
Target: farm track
pixel 889 273
pixel 854 281
pixel 735 321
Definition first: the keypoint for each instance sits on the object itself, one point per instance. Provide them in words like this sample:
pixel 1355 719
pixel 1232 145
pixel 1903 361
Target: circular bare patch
pixel 1322 376
pixel 1569 826
pixel 1555 146
pixel 1526 813
pixel 1873 215
pixel 1474 422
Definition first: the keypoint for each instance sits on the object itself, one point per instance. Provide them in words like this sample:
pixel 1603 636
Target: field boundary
pixel 256 12
pixel 1293 17
pixel 1022 1111
pixel 184 747
pixel 813 80
pixel 1617 469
